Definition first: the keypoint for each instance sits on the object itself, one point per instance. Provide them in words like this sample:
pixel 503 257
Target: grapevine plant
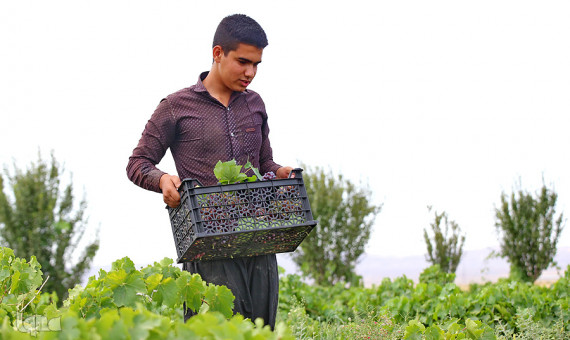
pixel 123 303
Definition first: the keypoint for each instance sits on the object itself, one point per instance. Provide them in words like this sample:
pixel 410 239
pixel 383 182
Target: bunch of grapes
pixel 268 176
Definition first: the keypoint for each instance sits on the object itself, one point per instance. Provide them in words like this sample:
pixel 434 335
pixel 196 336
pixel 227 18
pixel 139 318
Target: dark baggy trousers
pixel 254 281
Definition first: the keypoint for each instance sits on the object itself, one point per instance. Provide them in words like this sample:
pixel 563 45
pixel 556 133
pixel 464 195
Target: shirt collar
pixel 201 88
pixel 200 85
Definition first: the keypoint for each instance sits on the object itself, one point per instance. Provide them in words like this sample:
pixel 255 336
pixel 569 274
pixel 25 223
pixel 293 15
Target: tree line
pixel 39 217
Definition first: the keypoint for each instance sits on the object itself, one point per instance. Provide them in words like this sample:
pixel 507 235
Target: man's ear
pixel 217 53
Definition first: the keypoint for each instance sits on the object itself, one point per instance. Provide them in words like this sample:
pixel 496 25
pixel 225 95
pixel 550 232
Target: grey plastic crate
pixel 240 220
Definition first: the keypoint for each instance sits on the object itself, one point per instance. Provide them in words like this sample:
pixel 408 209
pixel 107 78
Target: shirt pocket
pixel 191 132
pixel 251 141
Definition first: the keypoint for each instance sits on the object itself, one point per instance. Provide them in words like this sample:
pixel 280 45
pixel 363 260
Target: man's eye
pixel 243 62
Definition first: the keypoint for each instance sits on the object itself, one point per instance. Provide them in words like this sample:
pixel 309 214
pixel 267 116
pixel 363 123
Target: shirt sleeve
pixel 159 133
pixel 266 162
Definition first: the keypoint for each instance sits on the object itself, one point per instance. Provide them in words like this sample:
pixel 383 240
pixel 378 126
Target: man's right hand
pixel 169 185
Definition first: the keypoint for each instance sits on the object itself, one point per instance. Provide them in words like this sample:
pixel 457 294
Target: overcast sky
pixel 442 103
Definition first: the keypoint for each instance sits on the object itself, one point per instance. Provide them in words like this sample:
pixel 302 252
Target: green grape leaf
pixel 220 299
pixel 414 330
pixel 4 273
pixel 229 172
pixel 115 278
pixel 125 264
pixel 169 292
pixel 191 288
pixel 433 332
pixel 257 176
pixel 126 293
pixel 152 282
pixel 473 328
pixel 15 283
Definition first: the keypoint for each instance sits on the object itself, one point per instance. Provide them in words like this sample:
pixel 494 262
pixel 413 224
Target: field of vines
pixel 147 303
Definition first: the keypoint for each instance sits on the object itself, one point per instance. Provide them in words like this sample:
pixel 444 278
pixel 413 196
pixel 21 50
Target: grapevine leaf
pixel 257 176
pixel 434 333
pixel 4 273
pixel 227 172
pixel 202 324
pixel 116 278
pixel 106 321
pixel 152 282
pixel 414 330
pixel 15 282
pixel 70 327
pixel 126 293
pixel 125 264
pixel 191 288
pixel 142 324
pixel 169 292
pixel 473 329
pixel 221 299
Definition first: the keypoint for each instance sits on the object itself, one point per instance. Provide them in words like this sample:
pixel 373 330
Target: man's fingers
pixel 177 182
pixel 171 197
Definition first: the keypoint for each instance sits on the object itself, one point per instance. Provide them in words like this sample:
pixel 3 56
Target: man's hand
pixel 284 171
pixel 169 185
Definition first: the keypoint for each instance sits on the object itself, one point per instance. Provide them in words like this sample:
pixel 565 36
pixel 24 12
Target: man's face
pixel 238 68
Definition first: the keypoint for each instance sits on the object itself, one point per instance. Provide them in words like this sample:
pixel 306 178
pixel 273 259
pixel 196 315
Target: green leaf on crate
pixel 229 172
pixel 248 165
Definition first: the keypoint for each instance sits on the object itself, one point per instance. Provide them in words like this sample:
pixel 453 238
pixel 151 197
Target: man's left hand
pixel 284 171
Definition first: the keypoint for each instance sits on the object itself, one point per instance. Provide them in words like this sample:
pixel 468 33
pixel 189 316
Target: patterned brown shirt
pixel 200 131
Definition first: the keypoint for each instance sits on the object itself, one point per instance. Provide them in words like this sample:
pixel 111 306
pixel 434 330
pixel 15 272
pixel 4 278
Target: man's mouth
pixel 245 83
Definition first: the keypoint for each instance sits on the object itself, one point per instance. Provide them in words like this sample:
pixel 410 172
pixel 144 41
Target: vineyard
pixel 147 303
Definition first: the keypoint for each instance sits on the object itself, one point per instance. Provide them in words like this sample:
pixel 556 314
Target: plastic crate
pixel 240 220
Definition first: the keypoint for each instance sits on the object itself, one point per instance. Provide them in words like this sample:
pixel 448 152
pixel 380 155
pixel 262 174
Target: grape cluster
pixel 268 176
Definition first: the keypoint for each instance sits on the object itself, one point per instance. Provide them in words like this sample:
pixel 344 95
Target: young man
pixel 217 119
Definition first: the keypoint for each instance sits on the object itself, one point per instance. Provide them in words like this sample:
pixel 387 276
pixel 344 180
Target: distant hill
pixel 473 268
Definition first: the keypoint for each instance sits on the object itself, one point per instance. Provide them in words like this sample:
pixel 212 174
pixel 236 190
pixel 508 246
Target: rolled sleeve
pixel 157 137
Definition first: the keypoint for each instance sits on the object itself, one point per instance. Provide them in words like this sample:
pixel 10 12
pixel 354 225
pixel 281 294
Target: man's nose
pixel 250 71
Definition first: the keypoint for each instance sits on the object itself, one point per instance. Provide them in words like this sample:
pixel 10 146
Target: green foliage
pixel 434 274
pixel 444 249
pixel 229 172
pixel 38 219
pixel 451 330
pixel 124 303
pixel 529 231
pixel 435 300
pixel 345 216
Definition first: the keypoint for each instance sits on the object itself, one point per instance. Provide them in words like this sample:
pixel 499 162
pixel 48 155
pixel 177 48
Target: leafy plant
pixel 345 213
pixel 38 218
pixel 529 230
pixel 124 303
pixel 446 246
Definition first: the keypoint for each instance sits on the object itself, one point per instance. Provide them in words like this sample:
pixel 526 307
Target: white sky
pixel 443 103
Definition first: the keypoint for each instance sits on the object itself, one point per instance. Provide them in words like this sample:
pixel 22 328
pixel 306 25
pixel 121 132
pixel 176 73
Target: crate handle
pixel 296 173
pixel 193 182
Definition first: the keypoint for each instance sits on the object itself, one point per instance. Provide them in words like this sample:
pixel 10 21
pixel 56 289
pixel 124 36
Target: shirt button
pixel 232 134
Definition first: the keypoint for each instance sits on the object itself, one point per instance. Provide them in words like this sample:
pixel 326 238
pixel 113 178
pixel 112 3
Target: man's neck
pixel 216 89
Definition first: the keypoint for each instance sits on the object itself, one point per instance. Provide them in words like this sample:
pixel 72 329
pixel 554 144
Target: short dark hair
pixel 239 28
